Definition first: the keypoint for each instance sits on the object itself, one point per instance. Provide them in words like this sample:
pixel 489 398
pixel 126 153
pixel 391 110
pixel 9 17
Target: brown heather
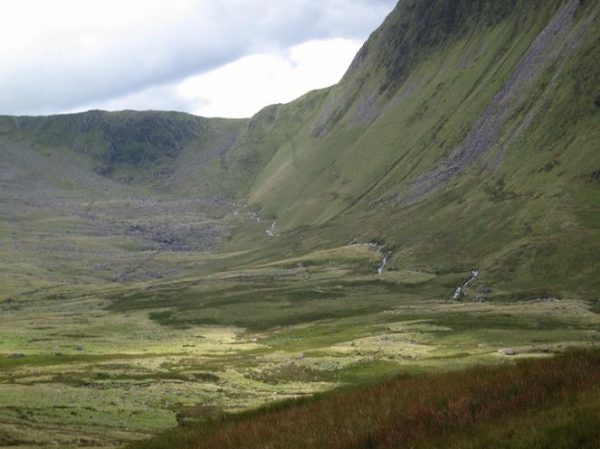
pixel 416 411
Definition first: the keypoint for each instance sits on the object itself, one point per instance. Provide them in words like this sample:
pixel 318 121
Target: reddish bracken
pixel 408 411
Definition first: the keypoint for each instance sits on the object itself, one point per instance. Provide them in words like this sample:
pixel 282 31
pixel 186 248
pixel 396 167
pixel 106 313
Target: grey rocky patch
pixel 184 237
pixel 484 135
pixel 367 111
pixel 507 352
pixel 402 96
pixel 332 111
pixel 570 44
pixel 101 208
pixel 17 356
pixel 196 161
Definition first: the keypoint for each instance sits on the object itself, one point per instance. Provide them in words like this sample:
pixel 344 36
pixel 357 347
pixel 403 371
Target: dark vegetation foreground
pixel 546 403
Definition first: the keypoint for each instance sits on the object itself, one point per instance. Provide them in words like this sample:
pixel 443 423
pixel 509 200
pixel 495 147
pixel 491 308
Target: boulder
pixel 507 351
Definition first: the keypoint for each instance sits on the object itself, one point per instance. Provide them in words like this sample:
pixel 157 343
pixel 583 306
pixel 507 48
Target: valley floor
pixel 109 363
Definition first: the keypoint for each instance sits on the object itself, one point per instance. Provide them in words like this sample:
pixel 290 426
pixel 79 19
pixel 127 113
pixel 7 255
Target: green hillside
pixel 438 207
pixel 481 138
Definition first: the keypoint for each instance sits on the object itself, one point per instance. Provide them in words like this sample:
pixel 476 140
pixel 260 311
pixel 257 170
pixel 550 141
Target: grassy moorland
pixel 159 269
pixel 108 364
pixel 537 404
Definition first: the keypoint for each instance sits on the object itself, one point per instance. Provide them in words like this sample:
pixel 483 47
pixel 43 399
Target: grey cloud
pixel 61 75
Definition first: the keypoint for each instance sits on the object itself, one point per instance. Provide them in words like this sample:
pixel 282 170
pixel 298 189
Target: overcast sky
pixel 225 58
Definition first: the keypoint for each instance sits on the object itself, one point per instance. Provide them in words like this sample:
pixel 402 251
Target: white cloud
pixel 242 88
pixel 63 54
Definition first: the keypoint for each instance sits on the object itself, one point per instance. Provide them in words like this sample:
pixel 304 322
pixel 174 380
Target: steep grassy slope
pixel 464 135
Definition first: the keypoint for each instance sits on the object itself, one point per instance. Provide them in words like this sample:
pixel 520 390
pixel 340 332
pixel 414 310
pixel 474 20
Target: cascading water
pixel 384 261
pixel 459 290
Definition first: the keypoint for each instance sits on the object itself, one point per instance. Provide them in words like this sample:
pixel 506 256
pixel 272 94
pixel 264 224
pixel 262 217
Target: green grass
pixel 277 333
